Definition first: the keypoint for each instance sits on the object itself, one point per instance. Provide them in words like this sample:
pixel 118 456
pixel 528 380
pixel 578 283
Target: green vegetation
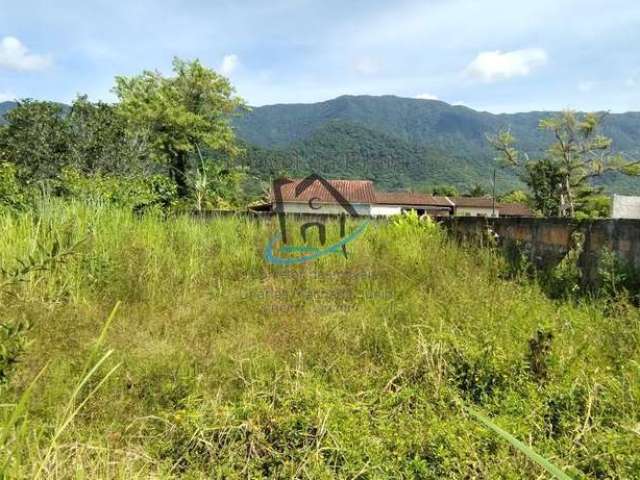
pixel 138 340
pixel 176 118
pixel 403 143
pixel 219 365
pixel 428 141
pixel 344 150
pixel 168 142
pixel 560 181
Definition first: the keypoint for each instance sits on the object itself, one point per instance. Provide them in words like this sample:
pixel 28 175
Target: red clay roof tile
pixel 514 210
pixel 354 191
pixel 408 198
pixel 480 202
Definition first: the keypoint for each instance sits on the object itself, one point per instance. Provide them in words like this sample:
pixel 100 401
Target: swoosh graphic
pixel 271 258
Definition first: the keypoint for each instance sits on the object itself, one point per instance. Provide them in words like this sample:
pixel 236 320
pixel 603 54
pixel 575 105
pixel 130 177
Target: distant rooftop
pixel 408 198
pixel 514 210
pixel 354 191
pixel 480 202
pixel 364 192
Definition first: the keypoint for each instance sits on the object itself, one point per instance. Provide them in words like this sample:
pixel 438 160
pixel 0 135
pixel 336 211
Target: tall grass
pixel 231 367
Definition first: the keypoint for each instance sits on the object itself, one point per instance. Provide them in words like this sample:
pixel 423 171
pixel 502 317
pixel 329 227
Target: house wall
pixel 385 210
pixel 624 206
pixel 326 209
pixel 475 211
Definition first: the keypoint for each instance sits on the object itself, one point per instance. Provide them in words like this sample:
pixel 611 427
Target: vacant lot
pixel 225 366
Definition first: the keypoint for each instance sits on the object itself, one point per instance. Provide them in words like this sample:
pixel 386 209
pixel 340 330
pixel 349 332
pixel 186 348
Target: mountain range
pixel 403 142
pixel 4 108
pixel 408 143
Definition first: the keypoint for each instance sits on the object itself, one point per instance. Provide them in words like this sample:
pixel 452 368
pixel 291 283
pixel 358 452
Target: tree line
pixel 168 141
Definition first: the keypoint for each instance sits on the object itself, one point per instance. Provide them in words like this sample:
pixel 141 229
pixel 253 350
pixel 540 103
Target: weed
pixel 339 368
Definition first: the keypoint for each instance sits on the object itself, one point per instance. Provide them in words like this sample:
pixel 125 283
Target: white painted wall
pixel 385 210
pixel 624 206
pixel 475 211
pixel 326 209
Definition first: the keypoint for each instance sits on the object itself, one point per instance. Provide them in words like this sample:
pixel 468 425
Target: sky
pixel 493 55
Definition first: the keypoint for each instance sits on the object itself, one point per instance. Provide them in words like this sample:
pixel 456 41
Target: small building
pixel 315 195
pixel 475 207
pixel 395 203
pixel 625 206
pixel 485 207
pixel 514 210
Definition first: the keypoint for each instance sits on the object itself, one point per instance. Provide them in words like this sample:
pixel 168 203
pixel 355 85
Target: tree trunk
pixel 179 173
pixel 570 198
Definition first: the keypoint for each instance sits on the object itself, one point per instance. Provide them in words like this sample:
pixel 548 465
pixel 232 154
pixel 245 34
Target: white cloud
pixel 586 86
pixel 497 65
pixel 7 97
pixel 427 96
pixel 229 64
pixel 16 56
pixel 366 65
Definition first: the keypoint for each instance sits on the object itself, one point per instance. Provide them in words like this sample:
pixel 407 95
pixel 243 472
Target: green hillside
pixel 4 108
pixel 348 150
pixel 416 121
pixel 437 142
pixel 401 142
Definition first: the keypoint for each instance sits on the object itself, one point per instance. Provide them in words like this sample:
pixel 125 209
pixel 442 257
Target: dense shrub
pixel 136 192
pixel 12 193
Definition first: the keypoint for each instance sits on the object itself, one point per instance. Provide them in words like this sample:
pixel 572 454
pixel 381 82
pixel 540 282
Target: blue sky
pixel 495 55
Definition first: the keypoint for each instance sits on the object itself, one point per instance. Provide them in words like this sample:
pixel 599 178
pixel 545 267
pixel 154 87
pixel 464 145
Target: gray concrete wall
pixel 547 240
pixel 544 240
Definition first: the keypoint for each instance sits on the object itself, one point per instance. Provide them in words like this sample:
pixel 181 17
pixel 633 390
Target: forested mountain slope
pixel 402 142
pixel 429 142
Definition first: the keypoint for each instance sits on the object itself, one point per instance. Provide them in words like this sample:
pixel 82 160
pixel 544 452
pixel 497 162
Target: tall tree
pixel 545 180
pixel 36 139
pixel 562 178
pixel 99 140
pixel 180 116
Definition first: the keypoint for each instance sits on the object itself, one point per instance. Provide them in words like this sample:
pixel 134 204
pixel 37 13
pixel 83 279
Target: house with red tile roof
pixel 475 207
pixel 514 210
pixel 395 203
pixel 316 196
pixel 486 207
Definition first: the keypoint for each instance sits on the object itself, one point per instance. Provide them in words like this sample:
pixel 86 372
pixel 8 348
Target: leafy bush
pixel 217 186
pixel 136 192
pixel 12 192
pixel 411 222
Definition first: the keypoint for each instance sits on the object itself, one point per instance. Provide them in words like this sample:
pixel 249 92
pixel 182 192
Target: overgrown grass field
pixel 217 364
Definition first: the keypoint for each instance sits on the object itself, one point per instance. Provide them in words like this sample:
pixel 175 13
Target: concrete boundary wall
pixel 547 240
